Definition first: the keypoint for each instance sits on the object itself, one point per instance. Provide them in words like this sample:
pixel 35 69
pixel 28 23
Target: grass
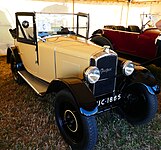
pixel 116 133
pixel 27 122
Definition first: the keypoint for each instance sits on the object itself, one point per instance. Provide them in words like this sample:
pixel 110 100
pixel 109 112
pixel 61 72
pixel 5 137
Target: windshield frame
pixel 74 29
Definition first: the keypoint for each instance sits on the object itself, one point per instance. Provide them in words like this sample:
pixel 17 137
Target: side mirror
pixel 25 24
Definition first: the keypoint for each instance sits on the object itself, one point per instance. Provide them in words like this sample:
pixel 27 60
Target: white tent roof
pixel 106 1
pixel 105 8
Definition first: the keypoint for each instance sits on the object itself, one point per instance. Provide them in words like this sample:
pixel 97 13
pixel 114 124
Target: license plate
pixel 109 100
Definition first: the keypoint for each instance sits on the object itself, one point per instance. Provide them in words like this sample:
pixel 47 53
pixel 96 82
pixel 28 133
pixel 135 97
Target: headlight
pixel 128 68
pixel 92 74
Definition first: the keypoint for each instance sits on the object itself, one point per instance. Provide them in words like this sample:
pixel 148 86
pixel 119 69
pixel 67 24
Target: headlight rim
pixel 87 73
pixel 126 64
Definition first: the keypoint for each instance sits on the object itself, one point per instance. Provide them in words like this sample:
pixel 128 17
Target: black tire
pixel 14 70
pixel 101 41
pixel 79 131
pixel 140 106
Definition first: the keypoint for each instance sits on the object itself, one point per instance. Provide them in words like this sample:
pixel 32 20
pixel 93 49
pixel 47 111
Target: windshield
pixel 149 20
pixel 55 24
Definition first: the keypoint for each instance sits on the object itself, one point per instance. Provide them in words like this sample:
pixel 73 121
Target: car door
pixel 26 40
pixel 140 45
pixel 131 43
pixel 118 39
pixel 146 46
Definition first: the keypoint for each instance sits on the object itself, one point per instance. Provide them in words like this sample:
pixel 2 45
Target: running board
pixel 39 86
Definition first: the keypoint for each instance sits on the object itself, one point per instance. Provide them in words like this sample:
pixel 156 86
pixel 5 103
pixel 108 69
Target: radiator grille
pixel 107 64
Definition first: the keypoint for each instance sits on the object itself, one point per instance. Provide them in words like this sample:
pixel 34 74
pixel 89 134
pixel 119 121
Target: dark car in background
pixel 132 42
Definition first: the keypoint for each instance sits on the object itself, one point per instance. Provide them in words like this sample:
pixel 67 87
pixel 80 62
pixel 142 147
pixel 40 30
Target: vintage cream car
pixel 52 53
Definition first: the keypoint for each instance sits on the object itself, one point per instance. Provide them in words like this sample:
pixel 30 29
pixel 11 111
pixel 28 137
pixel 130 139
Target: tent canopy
pixel 116 12
pixel 89 1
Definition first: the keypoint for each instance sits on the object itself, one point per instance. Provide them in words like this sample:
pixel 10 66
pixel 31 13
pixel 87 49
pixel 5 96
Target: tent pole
pixel 127 16
pixel 121 15
pixel 73 13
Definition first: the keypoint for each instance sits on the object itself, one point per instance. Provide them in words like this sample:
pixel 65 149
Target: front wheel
pixel 79 131
pixel 140 106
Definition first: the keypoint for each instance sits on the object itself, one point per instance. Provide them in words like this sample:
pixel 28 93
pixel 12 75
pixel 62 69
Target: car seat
pixel 134 28
pixel 122 28
pixel 109 26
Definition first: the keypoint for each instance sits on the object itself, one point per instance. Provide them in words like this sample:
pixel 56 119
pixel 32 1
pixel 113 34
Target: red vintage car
pixel 132 42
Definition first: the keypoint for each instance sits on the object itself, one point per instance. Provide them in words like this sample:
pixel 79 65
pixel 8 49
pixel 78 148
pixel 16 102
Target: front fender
pixel 153 90
pixel 82 95
pixel 144 76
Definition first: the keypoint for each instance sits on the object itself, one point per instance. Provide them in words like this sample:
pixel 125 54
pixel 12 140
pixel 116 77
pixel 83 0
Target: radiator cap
pixel 106 48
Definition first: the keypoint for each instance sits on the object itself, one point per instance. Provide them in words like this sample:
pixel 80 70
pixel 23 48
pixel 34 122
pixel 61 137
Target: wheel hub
pixel 71 121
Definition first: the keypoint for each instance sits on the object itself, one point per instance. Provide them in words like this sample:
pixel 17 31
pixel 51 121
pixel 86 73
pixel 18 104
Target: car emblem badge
pixel 105 70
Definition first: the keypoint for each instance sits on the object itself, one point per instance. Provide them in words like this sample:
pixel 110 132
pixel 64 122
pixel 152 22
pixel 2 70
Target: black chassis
pixel 87 103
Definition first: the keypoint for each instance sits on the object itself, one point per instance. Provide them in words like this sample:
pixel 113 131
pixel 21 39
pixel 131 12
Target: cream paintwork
pixel 71 55
pixel 28 56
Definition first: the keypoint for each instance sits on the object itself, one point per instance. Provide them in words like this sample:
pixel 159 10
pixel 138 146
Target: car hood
pixel 75 46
